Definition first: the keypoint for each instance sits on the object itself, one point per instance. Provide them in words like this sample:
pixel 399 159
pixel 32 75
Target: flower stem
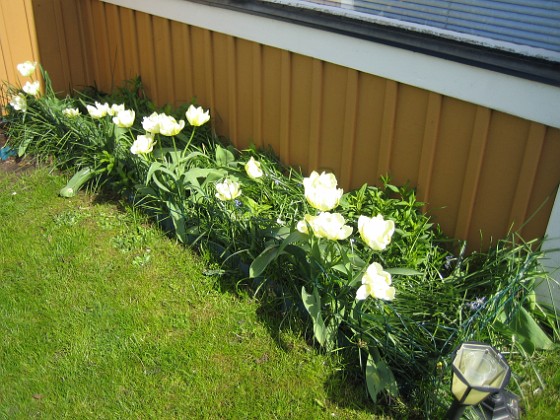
pixel 189 142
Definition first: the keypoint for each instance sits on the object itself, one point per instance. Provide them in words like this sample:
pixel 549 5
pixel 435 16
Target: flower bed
pixel 375 279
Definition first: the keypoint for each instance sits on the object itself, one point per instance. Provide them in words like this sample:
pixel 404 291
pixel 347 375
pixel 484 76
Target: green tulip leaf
pixel 223 156
pixel 527 332
pixel 23 146
pixel 76 182
pixel 403 271
pixel 312 303
pixel 379 378
pixel 332 332
pixel 260 263
pixel 272 252
pixel 178 220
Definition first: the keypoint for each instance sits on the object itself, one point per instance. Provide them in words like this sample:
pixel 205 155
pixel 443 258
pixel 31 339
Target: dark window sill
pixel 531 68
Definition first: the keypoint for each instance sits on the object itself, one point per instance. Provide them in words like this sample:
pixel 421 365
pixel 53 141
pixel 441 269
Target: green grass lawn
pixel 101 316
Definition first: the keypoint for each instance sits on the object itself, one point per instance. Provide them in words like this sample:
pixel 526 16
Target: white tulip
pixel 142 144
pixel 375 231
pixel 376 283
pixel 321 191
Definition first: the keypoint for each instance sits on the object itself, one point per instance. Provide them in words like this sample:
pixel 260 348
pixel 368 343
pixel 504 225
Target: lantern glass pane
pixel 475 397
pixel 480 368
pixel 458 388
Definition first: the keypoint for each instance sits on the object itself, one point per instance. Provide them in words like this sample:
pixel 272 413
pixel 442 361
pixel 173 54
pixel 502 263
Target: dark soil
pixel 13 164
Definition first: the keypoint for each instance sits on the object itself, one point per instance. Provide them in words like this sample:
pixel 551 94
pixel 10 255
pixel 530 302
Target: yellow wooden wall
pixel 62 43
pixel 18 40
pixel 480 170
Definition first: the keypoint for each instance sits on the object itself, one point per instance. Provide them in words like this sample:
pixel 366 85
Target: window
pixel 534 24
pixel 516 37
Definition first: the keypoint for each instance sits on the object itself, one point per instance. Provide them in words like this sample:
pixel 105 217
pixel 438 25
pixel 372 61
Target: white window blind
pixel 534 23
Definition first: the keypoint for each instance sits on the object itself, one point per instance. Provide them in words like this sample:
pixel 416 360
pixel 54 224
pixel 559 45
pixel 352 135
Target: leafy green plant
pixel 377 282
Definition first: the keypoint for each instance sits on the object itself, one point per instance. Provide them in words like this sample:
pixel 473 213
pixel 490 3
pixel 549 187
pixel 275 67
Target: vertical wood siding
pixel 18 40
pixel 481 172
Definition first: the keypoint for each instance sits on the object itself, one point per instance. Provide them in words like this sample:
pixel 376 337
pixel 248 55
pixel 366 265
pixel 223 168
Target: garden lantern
pixel 503 405
pixel 478 371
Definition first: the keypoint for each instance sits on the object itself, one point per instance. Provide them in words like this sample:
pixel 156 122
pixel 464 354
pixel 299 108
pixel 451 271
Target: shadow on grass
pixel 284 316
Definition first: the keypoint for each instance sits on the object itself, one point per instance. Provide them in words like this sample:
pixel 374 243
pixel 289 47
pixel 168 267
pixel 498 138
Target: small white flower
pixel 71 112
pixel 168 126
pixel 376 232
pixel 124 119
pixel 302 227
pixel 19 103
pixel 27 68
pixel 99 110
pixel 376 283
pixel 115 109
pixel 329 225
pixel 196 116
pixel 143 144
pixel 253 168
pixel 228 190
pixel 321 192
pixel 32 88
pixel 151 123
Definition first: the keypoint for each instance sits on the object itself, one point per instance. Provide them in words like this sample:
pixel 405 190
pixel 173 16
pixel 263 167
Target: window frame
pixel 528 67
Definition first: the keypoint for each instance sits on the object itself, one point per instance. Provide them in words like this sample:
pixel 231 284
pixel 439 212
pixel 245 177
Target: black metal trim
pixel 536 69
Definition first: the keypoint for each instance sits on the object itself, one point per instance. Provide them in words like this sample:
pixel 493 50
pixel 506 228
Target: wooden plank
pixel 387 127
pixel 245 108
pixel 349 128
pixel 163 65
pixel 115 44
pixel 232 89
pixel 209 93
pixel 101 47
pixel 429 146
pixel 315 116
pixel 285 104
pixel 146 48
pixel 130 50
pixel 182 61
pixel 532 158
pixel 300 109
pixel 271 71
pixel 257 98
pixel 472 173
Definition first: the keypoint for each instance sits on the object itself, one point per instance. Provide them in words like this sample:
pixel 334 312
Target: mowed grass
pixel 102 316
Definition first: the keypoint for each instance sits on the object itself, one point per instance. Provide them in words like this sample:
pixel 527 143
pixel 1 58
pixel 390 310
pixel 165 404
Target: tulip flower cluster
pixel 32 88
pixel 162 124
pixel 321 192
pixel 230 189
pixel 122 117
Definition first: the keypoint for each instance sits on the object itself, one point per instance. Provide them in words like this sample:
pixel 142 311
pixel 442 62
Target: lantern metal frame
pixel 471 381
